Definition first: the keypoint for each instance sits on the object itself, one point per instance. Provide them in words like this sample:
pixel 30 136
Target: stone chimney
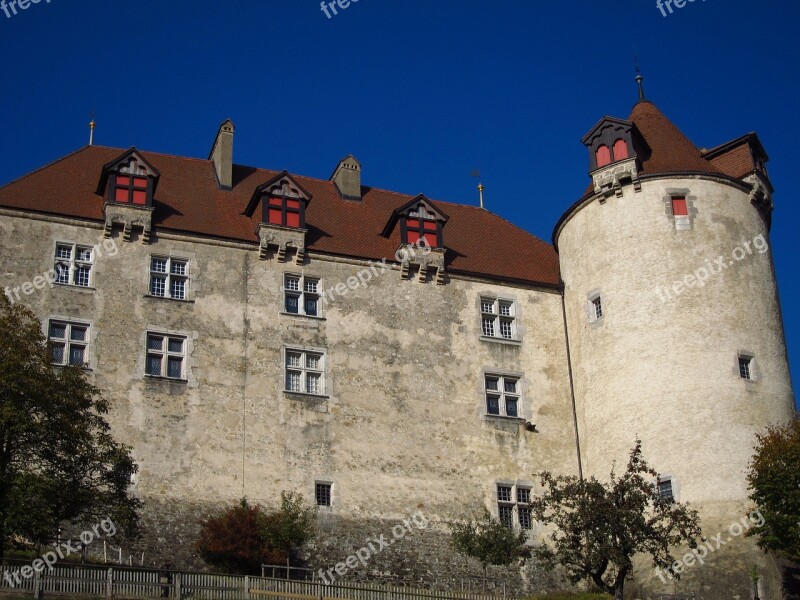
pixel 347 178
pixel 222 155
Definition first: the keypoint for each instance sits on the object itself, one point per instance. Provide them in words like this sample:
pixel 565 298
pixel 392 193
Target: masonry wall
pixel 402 427
pixel 662 363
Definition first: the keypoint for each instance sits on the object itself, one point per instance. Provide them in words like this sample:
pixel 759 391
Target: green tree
pixel 774 478
pixel 598 528
pixel 289 528
pixel 234 540
pixel 488 541
pixel 58 460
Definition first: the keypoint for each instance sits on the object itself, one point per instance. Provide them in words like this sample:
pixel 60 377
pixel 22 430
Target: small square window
pixel 169 277
pixel 680 207
pixel 301 295
pixel 68 343
pixel 504 493
pixel 502 395
pixel 498 318
pixel 322 493
pixel 165 356
pixel 305 372
pixel 73 264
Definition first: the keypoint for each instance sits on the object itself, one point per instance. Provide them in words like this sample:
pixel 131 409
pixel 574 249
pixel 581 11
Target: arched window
pixel 603 156
pixel 620 150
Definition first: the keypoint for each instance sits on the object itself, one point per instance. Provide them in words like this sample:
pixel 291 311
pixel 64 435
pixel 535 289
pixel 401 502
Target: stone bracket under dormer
pixel 429 260
pixel 283 239
pixel 760 195
pixel 130 217
pixel 609 180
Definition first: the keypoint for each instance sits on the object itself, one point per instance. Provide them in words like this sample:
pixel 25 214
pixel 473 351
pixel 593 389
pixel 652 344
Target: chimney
pixel 347 178
pixel 222 155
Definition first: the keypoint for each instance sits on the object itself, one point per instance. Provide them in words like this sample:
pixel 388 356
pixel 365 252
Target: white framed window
pixel 323 493
pixel 498 318
pixel 502 395
pixel 305 372
pixel 73 264
pixel 747 364
pixel 166 356
pixel 594 308
pixel 514 505
pixel 169 277
pixel 69 342
pixel 301 295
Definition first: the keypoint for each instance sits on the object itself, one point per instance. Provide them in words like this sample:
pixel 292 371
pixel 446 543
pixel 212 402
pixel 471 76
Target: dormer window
pixel 620 150
pixel 285 211
pixel 420 223
pixel 130 189
pixel 610 141
pixel 603 156
pixel 422 231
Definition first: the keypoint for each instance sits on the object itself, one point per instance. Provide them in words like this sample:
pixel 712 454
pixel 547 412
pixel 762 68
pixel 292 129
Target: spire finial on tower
pixel 91 130
pixel 639 78
pixel 480 186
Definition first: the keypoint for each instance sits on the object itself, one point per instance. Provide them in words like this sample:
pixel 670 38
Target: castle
pixel 388 355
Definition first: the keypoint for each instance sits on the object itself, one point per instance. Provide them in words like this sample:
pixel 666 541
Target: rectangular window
pixel 301 295
pixel 498 318
pixel 514 497
pixel 680 207
pixel 746 367
pixel 169 277
pixel 305 372
pixel 73 264
pixel 502 395
pixel 595 309
pixel 285 211
pixel 322 492
pixel 665 489
pixel 166 356
pixel 68 342
pixel 424 230
pixel 130 189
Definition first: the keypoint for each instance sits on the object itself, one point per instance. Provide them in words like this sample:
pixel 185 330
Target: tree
pixel 599 528
pixel 489 541
pixel 58 460
pixel 774 478
pixel 234 541
pixel 289 528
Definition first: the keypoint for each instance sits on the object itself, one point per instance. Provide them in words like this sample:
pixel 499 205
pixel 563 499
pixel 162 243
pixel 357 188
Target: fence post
pixel 178 592
pixel 321 590
pixel 37 584
pixel 110 583
pixel 247 587
pixel 390 589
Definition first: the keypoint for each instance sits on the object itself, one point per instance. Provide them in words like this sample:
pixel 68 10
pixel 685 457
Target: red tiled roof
pixel 670 150
pixel 188 200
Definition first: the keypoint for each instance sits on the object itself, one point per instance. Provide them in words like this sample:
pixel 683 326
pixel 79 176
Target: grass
pixel 570 596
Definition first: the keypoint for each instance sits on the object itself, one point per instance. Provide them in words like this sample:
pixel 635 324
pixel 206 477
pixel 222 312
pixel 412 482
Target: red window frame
pixel 680 208
pixel 284 211
pixel 620 150
pixel 603 156
pixel 130 189
pixel 416 228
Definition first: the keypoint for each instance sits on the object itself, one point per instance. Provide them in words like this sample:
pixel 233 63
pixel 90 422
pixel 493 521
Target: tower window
pixel 680 207
pixel 322 493
pixel 620 150
pixel 665 489
pixel 603 156
pixel 594 308
pixel 746 367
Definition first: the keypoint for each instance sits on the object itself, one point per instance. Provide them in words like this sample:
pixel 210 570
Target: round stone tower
pixel 674 326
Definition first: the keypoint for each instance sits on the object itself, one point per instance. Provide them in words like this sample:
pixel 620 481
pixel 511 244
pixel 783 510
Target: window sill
pixel 503 418
pixel 73 286
pixel 167 379
pixel 500 340
pixel 86 369
pixel 304 395
pixel 184 300
pixel 288 314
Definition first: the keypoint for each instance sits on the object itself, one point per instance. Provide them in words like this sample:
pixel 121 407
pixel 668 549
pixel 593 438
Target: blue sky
pixel 423 92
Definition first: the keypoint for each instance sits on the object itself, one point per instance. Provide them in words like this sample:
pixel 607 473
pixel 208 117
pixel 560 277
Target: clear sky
pixel 423 92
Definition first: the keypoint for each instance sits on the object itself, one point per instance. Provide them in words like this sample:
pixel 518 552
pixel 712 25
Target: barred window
pixel 746 367
pixel 665 489
pixel 322 492
pixel 498 318
pixel 73 264
pixel 169 277
pixel 166 356
pixel 511 500
pixel 305 372
pixel 68 343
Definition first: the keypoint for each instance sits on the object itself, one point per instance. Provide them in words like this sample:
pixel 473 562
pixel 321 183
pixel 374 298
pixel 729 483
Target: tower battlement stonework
pixel 258 331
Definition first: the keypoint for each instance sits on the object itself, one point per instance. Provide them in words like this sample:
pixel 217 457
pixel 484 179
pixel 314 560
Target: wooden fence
pixel 131 583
